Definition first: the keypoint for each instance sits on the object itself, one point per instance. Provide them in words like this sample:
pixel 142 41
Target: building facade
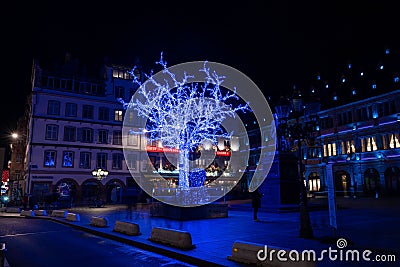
pixel 360 141
pixel 75 127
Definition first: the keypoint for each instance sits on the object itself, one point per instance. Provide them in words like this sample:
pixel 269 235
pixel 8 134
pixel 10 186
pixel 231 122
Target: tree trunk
pixel 184 168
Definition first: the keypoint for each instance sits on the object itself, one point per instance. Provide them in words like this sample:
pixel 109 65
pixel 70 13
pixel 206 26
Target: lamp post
pixel 295 127
pixel 100 175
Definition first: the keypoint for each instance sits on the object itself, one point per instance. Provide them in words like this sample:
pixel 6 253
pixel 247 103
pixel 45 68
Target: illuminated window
pixel 334 149
pixel 118 115
pixel 368 141
pixel 314 182
pixel 394 141
pixel 68 159
pixel 50 158
pixel 369 144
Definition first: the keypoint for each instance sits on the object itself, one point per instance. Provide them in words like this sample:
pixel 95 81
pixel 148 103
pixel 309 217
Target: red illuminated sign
pixel 175 150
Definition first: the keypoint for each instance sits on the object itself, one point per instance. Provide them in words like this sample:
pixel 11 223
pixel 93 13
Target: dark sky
pixel 275 43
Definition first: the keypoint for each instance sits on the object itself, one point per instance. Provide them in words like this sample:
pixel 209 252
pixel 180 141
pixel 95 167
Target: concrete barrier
pixel 40 212
pixel 263 255
pixel 73 217
pixel 172 237
pixel 59 213
pixel 99 221
pixel 13 209
pixel 27 213
pixel 128 228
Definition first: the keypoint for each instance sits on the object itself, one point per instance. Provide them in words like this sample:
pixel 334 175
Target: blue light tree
pixel 184 113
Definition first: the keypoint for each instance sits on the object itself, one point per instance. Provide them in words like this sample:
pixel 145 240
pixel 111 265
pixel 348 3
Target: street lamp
pixel 99 174
pixel 295 127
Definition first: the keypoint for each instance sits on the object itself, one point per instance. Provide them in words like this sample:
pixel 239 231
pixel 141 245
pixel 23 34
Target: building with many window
pixel 74 126
pixel 361 141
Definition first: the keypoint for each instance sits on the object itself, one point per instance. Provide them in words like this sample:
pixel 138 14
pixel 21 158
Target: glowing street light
pixel 100 174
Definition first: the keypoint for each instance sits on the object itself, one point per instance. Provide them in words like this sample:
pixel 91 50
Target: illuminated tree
pixel 182 112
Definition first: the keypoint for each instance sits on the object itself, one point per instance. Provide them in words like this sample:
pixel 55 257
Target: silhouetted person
pixel 256 203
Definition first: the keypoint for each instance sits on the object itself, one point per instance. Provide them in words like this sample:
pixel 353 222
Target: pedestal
pixel 281 189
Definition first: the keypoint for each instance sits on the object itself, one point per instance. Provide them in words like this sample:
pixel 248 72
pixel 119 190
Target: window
pixel 71 110
pixel 394 141
pixel 132 161
pixel 118 115
pixel 87 112
pixel 101 161
pixel 51 132
pixel 119 92
pixel 117 161
pixel 69 133
pixel 368 144
pixel 132 139
pixel 103 136
pixel 53 107
pixel 84 160
pixel 68 159
pixel 104 114
pixel 50 158
pixel 85 135
pixel 117 138
pixel 314 183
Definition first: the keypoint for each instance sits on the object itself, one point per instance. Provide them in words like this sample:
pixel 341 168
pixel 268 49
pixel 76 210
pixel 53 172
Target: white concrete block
pixel 40 212
pixel 27 213
pixel 99 221
pixel 172 237
pixel 59 213
pixel 73 217
pixel 128 228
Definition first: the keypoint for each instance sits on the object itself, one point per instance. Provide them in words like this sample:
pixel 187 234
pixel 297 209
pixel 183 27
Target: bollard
pixel 172 237
pixel 2 254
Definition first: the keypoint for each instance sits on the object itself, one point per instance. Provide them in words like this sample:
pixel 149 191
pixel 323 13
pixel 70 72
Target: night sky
pixel 275 43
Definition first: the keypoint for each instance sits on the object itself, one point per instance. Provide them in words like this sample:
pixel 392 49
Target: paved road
pixel 44 243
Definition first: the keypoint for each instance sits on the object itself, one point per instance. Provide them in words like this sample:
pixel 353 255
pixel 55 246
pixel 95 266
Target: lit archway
pixel 342 183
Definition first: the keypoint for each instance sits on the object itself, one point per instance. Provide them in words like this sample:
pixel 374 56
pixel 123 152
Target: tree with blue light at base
pixel 184 113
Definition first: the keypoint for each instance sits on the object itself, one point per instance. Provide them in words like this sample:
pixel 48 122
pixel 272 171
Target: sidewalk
pixel 365 223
